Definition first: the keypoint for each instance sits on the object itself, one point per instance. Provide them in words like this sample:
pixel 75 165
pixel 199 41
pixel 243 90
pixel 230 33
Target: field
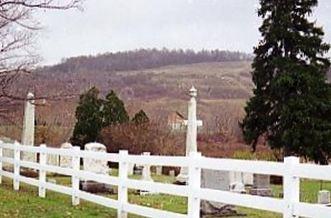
pixel 25 202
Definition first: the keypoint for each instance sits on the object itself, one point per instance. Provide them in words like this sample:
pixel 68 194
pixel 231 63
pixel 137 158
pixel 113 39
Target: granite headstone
pixel 219 180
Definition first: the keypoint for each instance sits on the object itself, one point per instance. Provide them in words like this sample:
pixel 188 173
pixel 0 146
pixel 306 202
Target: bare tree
pixel 18 30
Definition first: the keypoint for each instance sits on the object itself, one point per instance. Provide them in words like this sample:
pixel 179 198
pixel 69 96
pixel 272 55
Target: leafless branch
pixel 18 29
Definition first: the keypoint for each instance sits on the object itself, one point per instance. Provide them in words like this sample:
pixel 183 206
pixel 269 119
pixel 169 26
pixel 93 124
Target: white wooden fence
pixel 291 170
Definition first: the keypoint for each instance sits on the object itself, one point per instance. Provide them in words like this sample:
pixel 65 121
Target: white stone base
pixel 182 178
pixel 238 187
pixel 323 197
pixel 144 193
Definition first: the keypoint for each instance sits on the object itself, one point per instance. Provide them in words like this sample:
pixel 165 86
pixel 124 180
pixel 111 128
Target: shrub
pixel 146 137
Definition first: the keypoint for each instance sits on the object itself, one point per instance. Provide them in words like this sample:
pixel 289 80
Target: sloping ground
pixel 223 89
pixel 158 91
pixel 217 80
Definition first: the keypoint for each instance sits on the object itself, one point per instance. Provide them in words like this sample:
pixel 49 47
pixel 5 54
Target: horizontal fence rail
pixel 291 171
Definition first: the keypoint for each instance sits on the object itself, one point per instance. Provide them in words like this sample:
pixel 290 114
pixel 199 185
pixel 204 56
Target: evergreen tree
pixel 114 111
pixel 291 105
pixel 89 118
pixel 140 118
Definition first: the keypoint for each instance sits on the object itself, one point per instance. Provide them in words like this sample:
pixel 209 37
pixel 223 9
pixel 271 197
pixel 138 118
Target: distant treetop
pixel 140 118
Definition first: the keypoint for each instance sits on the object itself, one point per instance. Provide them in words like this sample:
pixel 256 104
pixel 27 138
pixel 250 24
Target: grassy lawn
pixel 25 202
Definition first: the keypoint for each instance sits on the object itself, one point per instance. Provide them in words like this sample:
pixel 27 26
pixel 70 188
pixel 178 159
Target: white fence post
pixel 74 178
pixel 291 186
pixel 122 189
pixel 1 161
pixel 42 172
pixel 194 183
pixel 17 158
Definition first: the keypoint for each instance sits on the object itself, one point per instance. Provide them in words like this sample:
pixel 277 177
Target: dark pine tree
pixel 114 111
pixel 291 105
pixel 89 118
pixel 140 118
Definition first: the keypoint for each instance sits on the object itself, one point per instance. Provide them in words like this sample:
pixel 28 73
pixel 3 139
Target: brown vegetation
pixel 152 137
pixel 223 89
pixel 159 92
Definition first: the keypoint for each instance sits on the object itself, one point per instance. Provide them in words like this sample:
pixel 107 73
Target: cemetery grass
pixel 26 203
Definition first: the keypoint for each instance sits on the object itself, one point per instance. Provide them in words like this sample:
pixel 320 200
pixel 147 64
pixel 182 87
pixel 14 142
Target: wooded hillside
pixel 143 59
pixel 224 87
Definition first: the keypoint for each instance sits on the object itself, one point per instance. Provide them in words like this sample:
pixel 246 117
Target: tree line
pixel 143 59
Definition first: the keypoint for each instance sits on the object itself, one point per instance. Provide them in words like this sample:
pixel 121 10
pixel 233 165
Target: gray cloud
pixel 113 25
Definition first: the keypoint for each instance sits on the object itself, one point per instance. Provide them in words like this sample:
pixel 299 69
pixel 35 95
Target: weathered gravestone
pixel 65 160
pixel 138 169
pixel 146 176
pixel 236 176
pixel 248 179
pixel 323 197
pixel 172 173
pixel 53 159
pixel 28 128
pixel 219 180
pixel 158 170
pixel 95 166
pixel 237 182
pixel 261 185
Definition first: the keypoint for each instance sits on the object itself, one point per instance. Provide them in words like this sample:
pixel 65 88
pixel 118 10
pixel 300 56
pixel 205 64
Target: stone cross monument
pixel 191 134
pixel 29 127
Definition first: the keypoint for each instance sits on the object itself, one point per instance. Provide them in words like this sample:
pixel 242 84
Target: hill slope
pixel 223 89
pixel 217 80
pixel 222 78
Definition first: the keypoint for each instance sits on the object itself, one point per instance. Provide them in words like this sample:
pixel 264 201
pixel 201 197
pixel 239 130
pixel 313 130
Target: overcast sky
pixel 117 25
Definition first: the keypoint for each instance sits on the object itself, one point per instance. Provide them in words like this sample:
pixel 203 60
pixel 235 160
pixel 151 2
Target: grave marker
pixel 29 128
pixel 158 170
pixel 219 180
pixel 95 166
pixel 237 182
pixel 261 185
pixel 323 197
pixel 146 176
pixel 248 179
pixel 53 159
pixel 191 134
pixel 66 161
